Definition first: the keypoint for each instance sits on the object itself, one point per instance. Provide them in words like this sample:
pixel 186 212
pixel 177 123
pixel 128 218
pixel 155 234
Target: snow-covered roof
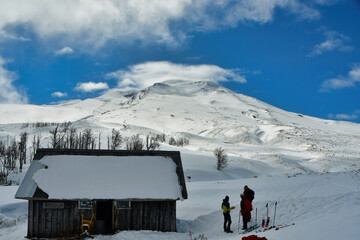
pixel 102 174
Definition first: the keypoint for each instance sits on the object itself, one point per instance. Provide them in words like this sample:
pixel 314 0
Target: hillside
pixel 256 135
pixel 309 166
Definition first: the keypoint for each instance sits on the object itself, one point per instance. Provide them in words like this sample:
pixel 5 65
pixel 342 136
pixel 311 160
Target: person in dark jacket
pixel 249 193
pixel 246 209
pixel 226 211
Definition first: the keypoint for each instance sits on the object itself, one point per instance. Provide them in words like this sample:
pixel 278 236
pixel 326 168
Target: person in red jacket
pixel 249 193
pixel 246 209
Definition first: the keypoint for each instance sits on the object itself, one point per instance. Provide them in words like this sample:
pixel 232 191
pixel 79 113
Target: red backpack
pixel 254 237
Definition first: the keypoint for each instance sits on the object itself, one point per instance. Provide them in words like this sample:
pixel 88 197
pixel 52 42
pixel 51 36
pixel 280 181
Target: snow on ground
pixel 13 214
pixel 322 206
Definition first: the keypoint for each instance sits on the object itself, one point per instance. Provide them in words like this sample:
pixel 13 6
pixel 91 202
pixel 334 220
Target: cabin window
pixel 123 204
pixel 85 204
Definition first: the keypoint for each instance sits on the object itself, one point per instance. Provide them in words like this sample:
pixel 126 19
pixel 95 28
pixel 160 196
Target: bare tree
pixel 22 149
pixel 99 140
pixel 151 142
pixel 160 137
pixel 55 137
pixel 115 140
pixel 134 143
pixel 4 169
pixel 221 157
pixel 172 141
pixel 34 146
pixel 13 154
pixel 180 142
pixel 87 139
pixel 71 138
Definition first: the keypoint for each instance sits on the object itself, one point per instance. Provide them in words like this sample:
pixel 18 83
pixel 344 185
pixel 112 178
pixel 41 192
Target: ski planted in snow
pixel 274 214
pixel 267 216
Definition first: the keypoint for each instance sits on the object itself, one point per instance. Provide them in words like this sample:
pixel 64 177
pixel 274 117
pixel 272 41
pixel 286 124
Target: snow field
pixel 318 204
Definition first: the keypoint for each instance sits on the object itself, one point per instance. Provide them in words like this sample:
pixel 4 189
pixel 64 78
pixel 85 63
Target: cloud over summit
pixel 146 74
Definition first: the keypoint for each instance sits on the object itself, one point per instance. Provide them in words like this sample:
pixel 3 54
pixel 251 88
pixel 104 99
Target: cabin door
pixel 104 212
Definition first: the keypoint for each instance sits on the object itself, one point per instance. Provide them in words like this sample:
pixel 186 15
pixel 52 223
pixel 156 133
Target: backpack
pixel 253 237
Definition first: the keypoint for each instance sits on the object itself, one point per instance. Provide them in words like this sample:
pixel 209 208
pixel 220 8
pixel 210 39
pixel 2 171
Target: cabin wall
pixel 56 219
pixel 147 215
pixel 52 219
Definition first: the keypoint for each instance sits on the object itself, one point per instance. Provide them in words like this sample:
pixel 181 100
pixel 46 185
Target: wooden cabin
pixel 115 190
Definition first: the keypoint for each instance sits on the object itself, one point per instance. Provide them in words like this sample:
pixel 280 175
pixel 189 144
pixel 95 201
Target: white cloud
pixel 342 82
pixel 8 92
pixel 91 86
pixel 94 22
pixel 59 94
pixel 146 74
pixel 333 41
pixel 7 36
pixel 65 50
pixel 344 116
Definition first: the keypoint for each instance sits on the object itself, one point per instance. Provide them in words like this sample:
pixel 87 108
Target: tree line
pixel 13 153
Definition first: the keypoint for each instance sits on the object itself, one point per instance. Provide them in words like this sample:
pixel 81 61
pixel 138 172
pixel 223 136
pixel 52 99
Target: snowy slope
pixel 210 116
pixel 322 206
pixel 309 165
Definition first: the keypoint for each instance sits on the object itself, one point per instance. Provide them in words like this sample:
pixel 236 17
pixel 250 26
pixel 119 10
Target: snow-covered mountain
pixel 210 116
pixel 308 165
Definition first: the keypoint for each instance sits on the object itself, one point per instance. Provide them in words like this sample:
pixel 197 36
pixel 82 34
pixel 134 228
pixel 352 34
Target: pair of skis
pixel 276 227
pixel 265 223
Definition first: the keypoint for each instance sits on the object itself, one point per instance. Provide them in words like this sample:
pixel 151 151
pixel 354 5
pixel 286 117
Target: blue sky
pixel 301 56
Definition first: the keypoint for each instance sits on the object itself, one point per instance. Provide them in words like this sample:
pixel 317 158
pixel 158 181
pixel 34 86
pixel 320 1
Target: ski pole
pixel 255 216
pixel 239 221
pixel 274 214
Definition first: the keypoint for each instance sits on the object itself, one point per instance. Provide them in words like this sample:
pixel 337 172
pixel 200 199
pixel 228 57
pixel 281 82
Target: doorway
pixel 104 214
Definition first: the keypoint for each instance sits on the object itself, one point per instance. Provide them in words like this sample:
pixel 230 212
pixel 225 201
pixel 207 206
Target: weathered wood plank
pixel 53 228
pixel 77 218
pixel 66 229
pixel 36 218
pixel 59 223
pixel 141 215
pixel 146 221
pixel 128 219
pixel 47 222
pixel 30 218
pixel 42 219
pixel 173 217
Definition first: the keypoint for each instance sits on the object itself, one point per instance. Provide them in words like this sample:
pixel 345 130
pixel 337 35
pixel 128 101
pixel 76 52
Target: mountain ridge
pixel 209 116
